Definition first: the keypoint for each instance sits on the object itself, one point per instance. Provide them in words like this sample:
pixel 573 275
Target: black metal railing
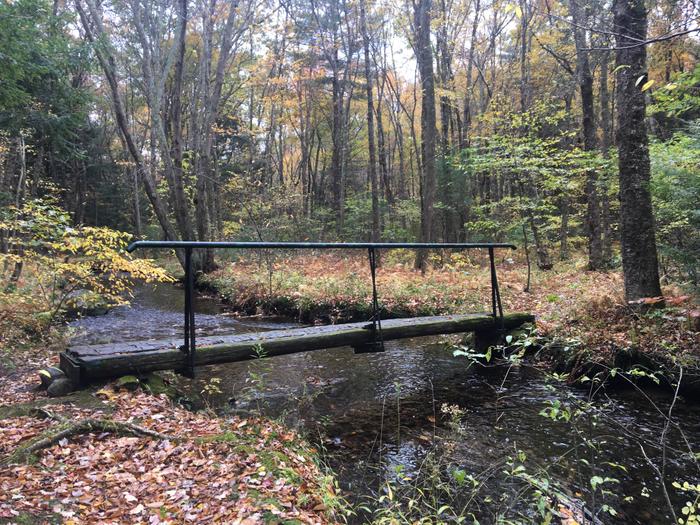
pixel 189 346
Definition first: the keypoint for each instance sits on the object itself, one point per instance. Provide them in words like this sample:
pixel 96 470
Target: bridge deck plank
pixel 87 363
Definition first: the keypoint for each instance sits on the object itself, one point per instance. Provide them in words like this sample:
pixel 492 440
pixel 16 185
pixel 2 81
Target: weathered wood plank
pixel 111 360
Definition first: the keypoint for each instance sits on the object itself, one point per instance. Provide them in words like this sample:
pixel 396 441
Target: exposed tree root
pixel 67 428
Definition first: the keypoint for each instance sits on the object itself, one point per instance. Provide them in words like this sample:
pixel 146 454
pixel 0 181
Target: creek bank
pixel 125 452
pixel 584 328
pixel 626 368
pixel 304 310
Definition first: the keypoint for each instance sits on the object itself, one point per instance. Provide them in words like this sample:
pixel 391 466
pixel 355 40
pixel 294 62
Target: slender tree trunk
pixel 22 179
pixel 402 192
pixel 92 26
pixel 424 57
pixel 372 166
pixel 19 198
pixel 136 203
pixel 638 244
pixel 585 82
pixel 564 230
pixel 205 201
pixel 443 69
pixel 381 146
pixel 466 130
pixel 337 182
pixel 606 142
pixel 176 116
pixel 524 72
pixel 155 76
pixel 544 261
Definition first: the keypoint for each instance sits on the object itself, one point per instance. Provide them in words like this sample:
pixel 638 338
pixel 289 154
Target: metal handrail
pixel 316 245
pixel 189 346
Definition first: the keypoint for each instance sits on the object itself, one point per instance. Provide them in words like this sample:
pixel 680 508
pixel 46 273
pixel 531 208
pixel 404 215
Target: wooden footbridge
pixel 83 364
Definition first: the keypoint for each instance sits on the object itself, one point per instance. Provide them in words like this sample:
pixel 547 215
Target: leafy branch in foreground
pixel 61 267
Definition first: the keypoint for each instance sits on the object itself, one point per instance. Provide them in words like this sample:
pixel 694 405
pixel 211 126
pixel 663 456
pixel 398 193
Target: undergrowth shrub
pixel 49 268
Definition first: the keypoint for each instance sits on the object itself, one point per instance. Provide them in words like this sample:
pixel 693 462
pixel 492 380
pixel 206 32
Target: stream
pixel 376 417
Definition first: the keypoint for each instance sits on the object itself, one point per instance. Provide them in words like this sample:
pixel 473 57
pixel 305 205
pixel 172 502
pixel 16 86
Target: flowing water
pixel 377 416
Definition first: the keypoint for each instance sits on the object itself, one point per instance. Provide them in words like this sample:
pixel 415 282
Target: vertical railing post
pixel 375 302
pixel 496 306
pixel 377 343
pixel 190 345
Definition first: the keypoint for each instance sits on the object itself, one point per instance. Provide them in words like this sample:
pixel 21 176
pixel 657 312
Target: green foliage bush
pixel 541 172
pixel 675 188
pixel 49 267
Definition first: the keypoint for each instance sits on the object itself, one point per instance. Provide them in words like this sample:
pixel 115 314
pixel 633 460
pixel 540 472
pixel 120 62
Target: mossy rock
pixel 154 384
pixel 157 385
pixel 60 387
pixel 50 374
pixel 129 382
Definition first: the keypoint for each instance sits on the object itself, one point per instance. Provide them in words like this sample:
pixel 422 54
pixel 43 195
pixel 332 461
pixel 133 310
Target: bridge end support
pixel 71 369
pixel 484 339
pixel 370 347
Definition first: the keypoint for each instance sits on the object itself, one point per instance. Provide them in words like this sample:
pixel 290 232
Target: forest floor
pixel 583 312
pixel 116 456
pixel 112 454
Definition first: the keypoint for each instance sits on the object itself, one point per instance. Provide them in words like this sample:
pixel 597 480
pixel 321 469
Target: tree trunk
pixel 156 69
pixel 92 26
pixel 176 116
pixel 424 57
pixel 381 145
pixel 337 182
pixel 606 142
pixel 466 129
pixel 372 166
pixel 524 70
pixel 585 83
pixel 136 203
pixel 212 89
pixel 564 230
pixel 638 245
pixel 19 198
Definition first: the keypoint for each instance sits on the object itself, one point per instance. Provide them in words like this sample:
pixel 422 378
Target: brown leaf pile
pixel 212 471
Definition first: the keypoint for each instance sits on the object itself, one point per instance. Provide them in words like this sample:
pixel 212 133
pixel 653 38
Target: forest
pixel 569 128
pixel 459 121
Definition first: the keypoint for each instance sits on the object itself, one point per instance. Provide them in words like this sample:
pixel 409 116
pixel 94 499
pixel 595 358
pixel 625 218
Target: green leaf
pixel 595 481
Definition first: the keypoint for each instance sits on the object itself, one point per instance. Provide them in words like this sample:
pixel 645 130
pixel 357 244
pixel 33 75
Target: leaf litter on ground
pixel 212 470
